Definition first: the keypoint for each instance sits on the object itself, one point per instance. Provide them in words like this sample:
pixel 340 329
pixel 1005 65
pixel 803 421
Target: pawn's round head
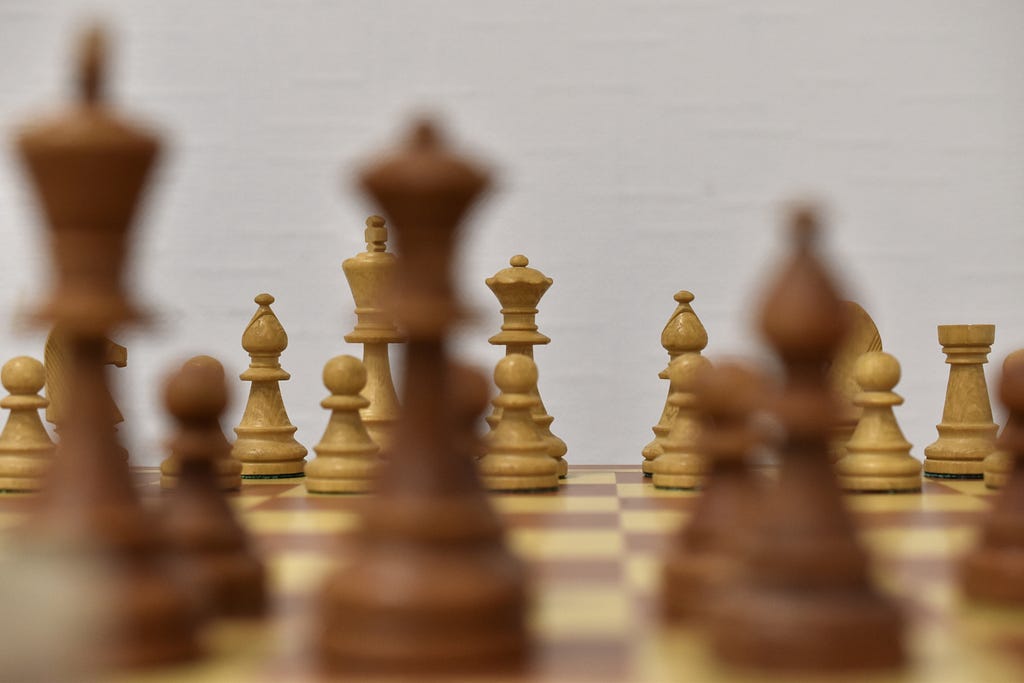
pixel 196 391
pixel 515 374
pixel 877 371
pixel 209 362
pixel 683 371
pixel 23 375
pixel 1011 385
pixel 344 376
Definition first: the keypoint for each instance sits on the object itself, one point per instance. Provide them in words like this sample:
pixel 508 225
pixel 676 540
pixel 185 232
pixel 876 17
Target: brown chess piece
pixel 471 394
pixel 862 337
pixel 208 548
pixel 89 168
pixel 266 444
pixel 994 570
pixel 519 289
pixel 346 456
pixel 227 470
pixel 683 333
pixel 26 450
pixel 431 584
pixel 705 559
pixel 369 276
pixel 681 464
pixel 805 601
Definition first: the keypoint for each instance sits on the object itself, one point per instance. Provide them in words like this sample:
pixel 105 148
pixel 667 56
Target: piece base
pixel 289 475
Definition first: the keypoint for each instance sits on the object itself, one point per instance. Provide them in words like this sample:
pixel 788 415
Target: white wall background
pixel 641 147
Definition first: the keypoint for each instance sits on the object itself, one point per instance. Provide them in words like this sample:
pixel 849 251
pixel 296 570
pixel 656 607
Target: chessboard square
pixel 582 610
pixel 866 503
pixel 298 572
pixel 588 477
pixel 941 542
pixel 648 490
pixel 652 521
pixel 548 544
pixel 643 573
pixel 512 503
pixel 308 522
pixel 973 487
pixel 9 520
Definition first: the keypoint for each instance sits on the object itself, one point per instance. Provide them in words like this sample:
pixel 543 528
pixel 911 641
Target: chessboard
pixel 594 549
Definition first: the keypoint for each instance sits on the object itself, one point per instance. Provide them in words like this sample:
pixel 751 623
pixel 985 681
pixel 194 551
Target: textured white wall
pixel 641 148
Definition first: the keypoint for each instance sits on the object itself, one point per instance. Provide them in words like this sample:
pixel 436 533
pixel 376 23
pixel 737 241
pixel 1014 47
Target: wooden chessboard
pixel 595 549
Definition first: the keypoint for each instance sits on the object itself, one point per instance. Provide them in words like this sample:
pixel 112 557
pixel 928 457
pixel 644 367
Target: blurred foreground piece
pixel 25 448
pixel 430 584
pixel 861 337
pixel 209 549
pixel 519 289
pixel 518 458
pixel 806 601
pixel 994 571
pixel 471 394
pixel 266 444
pixel 89 169
pixel 683 333
pixel 369 275
pixel 681 465
pixel 705 559
pixel 966 433
pixel 877 455
pixel 346 456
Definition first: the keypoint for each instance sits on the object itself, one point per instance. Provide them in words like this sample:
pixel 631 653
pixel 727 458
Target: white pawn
pixel 346 456
pixel 517 457
pixel 877 455
pixel 681 465
pixel 25 448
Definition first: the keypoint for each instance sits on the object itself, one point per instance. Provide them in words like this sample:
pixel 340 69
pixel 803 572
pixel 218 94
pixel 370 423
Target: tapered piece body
pixel 346 456
pixel 517 456
pixel 681 464
pixel 877 455
pixel 967 432
pixel 431 584
pixel 369 277
pixel 89 168
pixel 520 288
pixel 994 570
pixel 705 560
pixel 861 337
pixel 266 444
pixel 683 333
pixel 471 395
pixel 26 450
pixel 226 469
pixel 805 601
pixel 210 551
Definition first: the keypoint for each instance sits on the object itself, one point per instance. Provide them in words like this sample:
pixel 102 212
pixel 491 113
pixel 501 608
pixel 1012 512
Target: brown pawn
pixel 208 548
pixel 26 450
pixel 430 584
pixel 877 455
pixel 227 470
pixel 266 443
pixel 683 333
pixel 89 168
pixel 369 276
pixel 705 559
pixel 681 464
pixel 805 601
pixel 517 456
pixel 519 289
pixel 346 456
pixel 471 390
pixel 994 570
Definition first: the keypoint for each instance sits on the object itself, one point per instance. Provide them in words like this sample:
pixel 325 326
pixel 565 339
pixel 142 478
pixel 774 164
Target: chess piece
pixel 517 457
pixel 346 456
pixel 862 337
pixel 519 289
pixel 89 168
pixel 998 464
pixel 209 549
pixel 877 455
pixel 994 570
pixel 967 432
pixel 369 275
pixel 683 333
pixel 471 394
pixel 681 465
pixel 705 558
pixel 431 584
pixel 25 448
pixel 227 470
pixel 805 601
pixel 266 443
